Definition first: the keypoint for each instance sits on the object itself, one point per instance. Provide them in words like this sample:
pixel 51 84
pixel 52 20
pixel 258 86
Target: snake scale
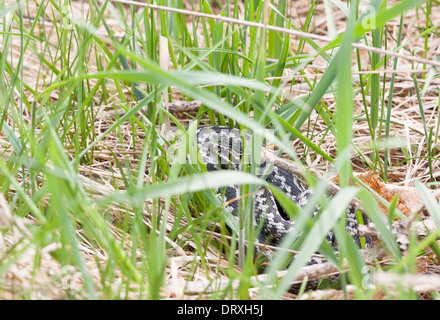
pixel 221 148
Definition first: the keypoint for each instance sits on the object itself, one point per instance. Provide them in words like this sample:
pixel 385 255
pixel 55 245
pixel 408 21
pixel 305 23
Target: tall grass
pixel 107 194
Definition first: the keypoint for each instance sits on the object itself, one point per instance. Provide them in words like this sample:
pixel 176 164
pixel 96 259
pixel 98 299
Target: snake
pixel 221 148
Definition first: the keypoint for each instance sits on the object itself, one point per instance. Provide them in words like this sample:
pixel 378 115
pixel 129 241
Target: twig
pixel 417 282
pixel 184 106
pixel 311 272
pixel 172 107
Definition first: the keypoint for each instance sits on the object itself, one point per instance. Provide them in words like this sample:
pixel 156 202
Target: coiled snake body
pixel 221 148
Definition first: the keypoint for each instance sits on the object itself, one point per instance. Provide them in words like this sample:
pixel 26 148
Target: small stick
pixel 172 107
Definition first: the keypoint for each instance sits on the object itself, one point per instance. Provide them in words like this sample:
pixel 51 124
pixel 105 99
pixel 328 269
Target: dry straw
pixel 279 29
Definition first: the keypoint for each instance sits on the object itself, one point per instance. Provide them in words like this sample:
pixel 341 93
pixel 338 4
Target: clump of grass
pixel 100 202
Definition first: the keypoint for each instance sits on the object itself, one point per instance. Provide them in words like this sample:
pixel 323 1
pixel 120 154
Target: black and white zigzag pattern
pixel 221 148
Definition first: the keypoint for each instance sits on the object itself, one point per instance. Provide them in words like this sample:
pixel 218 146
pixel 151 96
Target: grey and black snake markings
pixel 221 148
